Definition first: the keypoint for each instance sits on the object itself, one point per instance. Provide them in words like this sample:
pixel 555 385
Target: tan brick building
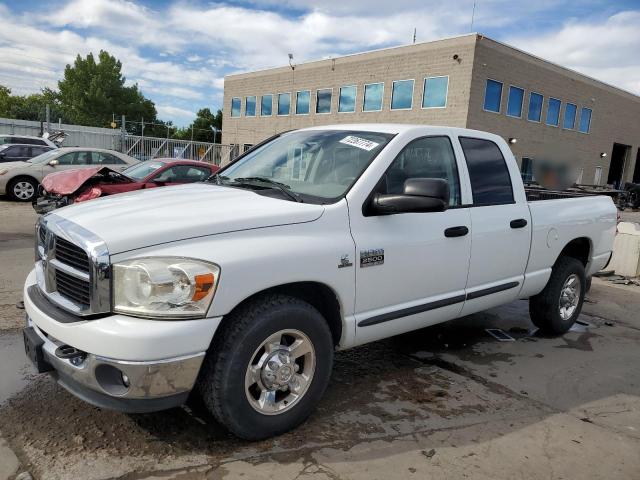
pixel 469 81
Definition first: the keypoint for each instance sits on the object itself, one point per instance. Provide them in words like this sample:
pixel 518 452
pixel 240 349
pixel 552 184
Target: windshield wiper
pixel 264 181
pixel 217 179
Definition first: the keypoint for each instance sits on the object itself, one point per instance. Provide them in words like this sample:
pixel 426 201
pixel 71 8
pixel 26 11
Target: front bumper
pixel 149 386
pixel 160 360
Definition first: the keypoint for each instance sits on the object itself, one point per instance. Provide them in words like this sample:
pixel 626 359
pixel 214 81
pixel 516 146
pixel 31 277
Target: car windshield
pixel 45 157
pixel 142 170
pixel 318 166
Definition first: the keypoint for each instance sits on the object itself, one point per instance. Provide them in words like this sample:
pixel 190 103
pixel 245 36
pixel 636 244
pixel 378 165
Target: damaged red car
pixel 73 186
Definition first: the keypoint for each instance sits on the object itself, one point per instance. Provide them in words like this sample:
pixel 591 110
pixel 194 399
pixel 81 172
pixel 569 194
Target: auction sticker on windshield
pixel 362 143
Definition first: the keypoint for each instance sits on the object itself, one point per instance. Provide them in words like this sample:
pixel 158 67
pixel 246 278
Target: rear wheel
pixel 556 308
pixel 23 189
pixel 268 368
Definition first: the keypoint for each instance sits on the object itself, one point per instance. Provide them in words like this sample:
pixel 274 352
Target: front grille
pixel 70 254
pixel 73 288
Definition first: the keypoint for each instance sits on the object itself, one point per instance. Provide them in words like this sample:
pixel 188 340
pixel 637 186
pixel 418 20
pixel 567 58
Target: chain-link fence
pixel 142 148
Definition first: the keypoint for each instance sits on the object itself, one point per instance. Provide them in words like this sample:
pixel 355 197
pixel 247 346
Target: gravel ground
pixel 448 401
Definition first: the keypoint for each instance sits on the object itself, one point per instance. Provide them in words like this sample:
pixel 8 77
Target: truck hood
pixel 129 221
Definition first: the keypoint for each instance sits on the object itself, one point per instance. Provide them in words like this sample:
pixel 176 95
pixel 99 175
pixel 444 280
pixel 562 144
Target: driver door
pixel 412 267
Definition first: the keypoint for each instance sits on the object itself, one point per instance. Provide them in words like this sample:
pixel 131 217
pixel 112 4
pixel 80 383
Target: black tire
pixel 20 181
pixel 544 308
pixel 221 384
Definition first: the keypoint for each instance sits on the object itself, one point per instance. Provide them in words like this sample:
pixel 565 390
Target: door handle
pixel 460 231
pixel 518 223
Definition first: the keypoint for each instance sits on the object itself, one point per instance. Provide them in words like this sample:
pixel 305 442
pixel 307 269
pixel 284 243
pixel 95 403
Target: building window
pixel 373 93
pixel 323 100
pixel 535 107
pixel 250 106
pixel 492 96
pixel 284 103
pixel 434 92
pixel 585 120
pixel 553 112
pixel 347 100
pixel 569 116
pixel 402 95
pixel 302 102
pixel 266 105
pixel 514 104
pixel 235 107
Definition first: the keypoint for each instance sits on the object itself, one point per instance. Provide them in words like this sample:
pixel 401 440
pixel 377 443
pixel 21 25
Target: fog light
pixel 125 380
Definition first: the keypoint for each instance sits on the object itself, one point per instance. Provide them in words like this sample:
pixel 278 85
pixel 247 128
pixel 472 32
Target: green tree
pixel 91 91
pixel 202 126
pixel 29 107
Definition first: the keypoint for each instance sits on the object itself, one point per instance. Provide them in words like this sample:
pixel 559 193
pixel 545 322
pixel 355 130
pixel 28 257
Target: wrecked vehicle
pixel 74 186
pixel 240 289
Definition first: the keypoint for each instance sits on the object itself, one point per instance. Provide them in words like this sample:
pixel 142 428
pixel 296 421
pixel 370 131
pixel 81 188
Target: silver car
pixel 20 180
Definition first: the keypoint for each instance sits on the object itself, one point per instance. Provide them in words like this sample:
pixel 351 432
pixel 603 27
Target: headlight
pixel 164 287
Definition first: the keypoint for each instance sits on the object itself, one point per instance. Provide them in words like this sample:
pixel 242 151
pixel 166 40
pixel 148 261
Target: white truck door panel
pixel 500 228
pixel 409 274
pixel 422 279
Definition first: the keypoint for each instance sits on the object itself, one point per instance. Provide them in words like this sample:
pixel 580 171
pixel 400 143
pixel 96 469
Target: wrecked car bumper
pixel 44 205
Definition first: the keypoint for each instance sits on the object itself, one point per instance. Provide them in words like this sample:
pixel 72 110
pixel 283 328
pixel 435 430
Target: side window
pixel 196 174
pixel 19 151
pixel 66 159
pixel 83 158
pixel 490 180
pixel 100 158
pixel 35 151
pixel 429 157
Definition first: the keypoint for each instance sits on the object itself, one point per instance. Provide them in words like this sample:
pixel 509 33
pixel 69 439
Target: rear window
pixel 490 179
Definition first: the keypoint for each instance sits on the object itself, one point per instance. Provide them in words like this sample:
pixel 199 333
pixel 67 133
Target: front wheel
pixel 268 368
pixel 556 308
pixel 23 189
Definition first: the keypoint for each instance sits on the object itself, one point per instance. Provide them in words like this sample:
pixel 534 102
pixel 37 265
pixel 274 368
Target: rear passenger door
pixel 500 228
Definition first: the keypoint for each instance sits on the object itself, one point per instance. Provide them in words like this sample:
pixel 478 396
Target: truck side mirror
pixel 420 195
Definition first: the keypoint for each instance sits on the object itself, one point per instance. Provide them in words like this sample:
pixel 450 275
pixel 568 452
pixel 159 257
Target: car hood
pixel 69 181
pixel 145 218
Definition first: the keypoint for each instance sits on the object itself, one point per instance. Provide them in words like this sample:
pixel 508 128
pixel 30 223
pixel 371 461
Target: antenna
pixel 414 34
pixel 473 14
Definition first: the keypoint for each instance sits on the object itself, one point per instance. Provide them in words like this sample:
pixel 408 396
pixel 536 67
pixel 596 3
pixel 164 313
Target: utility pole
pixel 48 117
pixel 123 135
pixel 414 34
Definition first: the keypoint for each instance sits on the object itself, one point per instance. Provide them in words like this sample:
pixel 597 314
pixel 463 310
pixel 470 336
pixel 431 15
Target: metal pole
pixel 123 134
pixel 473 14
pixel 47 114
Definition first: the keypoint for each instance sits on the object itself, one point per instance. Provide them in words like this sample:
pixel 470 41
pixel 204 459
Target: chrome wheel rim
pixel 280 372
pixel 569 297
pixel 23 190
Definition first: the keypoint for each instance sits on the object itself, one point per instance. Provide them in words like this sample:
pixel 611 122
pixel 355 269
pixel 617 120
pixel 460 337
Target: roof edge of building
pixel 583 77
pixel 473 35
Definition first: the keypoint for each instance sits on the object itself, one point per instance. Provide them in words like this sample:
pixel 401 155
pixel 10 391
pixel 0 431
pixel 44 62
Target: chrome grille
pixel 70 254
pixel 73 288
pixel 72 266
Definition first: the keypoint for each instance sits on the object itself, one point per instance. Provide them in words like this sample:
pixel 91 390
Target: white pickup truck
pixel 239 289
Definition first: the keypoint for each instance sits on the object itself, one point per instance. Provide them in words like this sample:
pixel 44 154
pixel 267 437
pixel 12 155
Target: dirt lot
pixel 445 402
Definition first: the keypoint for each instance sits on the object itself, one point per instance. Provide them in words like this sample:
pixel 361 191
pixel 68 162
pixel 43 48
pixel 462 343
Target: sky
pixel 178 51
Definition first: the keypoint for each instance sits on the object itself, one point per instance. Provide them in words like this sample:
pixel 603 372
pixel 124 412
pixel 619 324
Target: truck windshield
pixel 318 166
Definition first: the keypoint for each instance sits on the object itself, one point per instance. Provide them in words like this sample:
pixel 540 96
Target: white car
pixel 242 287
pixel 20 180
pixel 10 138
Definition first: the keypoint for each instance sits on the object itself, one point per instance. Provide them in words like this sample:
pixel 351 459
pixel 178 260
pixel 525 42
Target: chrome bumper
pixel 128 386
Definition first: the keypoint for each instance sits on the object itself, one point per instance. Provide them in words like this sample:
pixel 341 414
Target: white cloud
pixel 180 116
pixel 606 49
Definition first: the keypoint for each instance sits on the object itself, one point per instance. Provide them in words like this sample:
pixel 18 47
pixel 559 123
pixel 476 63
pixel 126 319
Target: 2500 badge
pixel 369 258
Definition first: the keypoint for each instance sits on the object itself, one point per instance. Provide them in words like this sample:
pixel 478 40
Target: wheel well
pixel 317 294
pixel 578 248
pixel 22 177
